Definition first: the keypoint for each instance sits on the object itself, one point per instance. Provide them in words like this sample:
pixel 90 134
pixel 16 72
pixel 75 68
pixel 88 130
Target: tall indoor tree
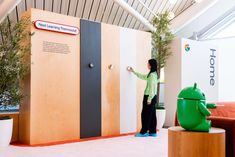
pixel 14 49
pixel 161 39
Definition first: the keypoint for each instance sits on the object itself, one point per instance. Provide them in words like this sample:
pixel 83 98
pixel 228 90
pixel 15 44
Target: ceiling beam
pixel 221 23
pixel 146 7
pixel 199 16
pixel 190 14
pixel 136 14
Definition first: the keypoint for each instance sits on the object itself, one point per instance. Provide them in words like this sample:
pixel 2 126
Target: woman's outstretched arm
pixel 141 76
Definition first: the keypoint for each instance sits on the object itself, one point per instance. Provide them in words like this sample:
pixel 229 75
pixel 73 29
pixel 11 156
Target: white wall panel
pixel 127 81
pixel 226 63
pixel 184 68
pixel 172 81
pixel 196 67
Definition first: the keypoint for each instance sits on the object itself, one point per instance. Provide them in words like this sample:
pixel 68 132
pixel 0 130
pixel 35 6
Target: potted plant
pixel 14 49
pixel 161 39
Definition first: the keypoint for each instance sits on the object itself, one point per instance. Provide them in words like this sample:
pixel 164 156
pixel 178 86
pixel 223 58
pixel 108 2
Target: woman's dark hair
pixel 153 65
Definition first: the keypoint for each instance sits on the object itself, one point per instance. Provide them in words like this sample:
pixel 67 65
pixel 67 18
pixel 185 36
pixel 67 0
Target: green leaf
pixel 13 53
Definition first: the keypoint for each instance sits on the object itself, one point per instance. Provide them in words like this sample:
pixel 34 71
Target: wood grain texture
pixel 52 111
pixel 24 110
pixel 110 40
pixel 143 54
pixel 183 143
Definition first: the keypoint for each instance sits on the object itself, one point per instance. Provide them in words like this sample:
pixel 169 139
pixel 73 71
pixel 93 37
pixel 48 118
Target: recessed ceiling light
pixel 198 1
pixel 172 1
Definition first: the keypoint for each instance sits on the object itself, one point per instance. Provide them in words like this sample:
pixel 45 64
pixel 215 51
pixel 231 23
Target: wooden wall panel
pixel 143 54
pixel 54 83
pixel 51 112
pixel 127 81
pixel 110 41
pixel 90 114
pixel 24 111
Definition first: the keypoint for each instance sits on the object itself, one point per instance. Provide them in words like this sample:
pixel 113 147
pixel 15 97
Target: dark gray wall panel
pixel 90 107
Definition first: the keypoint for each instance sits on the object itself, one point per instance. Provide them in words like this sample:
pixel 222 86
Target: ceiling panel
pixel 94 10
pixel 113 14
pixel 20 8
pixel 78 11
pixel 88 9
pixel 101 10
pixel 106 11
pixel 124 16
pixel 64 7
pixel 187 5
pixel 171 6
pixel 39 4
pixel 153 8
pixel 56 6
pixel 166 7
pixel 147 14
pixel 118 15
pixel 48 5
pixel 127 21
pixel 72 7
pixel 29 3
pixel 144 13
pixel 140 8
pixel 179 7
pixel 13 17
pixel 158 6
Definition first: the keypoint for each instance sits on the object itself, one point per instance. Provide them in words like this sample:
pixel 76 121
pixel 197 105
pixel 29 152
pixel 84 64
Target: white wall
pixel 127 81
pixel 226 68
pixel 199 65
pixel 184 68
pixel 172 81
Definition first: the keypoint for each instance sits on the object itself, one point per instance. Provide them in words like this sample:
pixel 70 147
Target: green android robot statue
pixel 192 109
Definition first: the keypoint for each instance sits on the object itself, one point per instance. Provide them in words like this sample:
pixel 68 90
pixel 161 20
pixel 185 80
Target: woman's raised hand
pixel 130 69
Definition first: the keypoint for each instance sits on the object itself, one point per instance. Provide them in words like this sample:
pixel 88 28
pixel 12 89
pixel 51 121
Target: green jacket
pixel 151 87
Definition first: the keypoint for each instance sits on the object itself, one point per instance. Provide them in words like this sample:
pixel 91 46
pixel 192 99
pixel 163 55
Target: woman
pixel 148 115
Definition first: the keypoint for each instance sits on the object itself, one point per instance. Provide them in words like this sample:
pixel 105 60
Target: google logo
pixel 186 47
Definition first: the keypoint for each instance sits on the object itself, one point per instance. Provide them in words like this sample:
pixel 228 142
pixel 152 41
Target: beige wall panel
pixel 143 54
pixel 54 110
pixel 110 54
pixel 24 114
